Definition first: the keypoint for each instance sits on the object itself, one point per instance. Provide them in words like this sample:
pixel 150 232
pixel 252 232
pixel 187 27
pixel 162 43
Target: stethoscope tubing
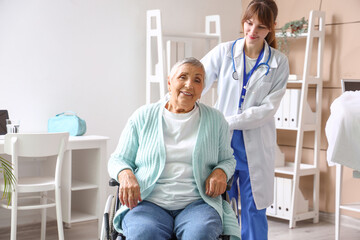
pixel 234 74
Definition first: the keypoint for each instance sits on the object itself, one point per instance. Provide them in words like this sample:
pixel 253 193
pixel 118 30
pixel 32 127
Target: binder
pixel 271 210
pixel 287 194
pixel 294 107
pixel 279 196
pixel 286 109
pixel 278 115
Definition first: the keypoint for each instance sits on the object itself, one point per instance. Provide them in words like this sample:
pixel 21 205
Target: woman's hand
pixel 216 183
pixel 129 190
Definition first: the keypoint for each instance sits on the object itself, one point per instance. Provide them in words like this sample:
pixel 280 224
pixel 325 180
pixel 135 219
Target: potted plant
pixel 8 178
pixel 292 29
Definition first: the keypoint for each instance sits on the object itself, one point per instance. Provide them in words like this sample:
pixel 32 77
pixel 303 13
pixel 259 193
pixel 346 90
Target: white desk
pixel 84 178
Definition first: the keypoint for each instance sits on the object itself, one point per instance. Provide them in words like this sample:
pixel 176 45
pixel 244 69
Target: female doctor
pixel 252 77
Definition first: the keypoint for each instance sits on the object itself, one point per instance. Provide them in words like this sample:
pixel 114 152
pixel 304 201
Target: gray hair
pixel 190 60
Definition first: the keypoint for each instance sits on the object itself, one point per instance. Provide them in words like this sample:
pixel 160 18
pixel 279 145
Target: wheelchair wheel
pixel 234 206
pixel 112 214
pixel 107 225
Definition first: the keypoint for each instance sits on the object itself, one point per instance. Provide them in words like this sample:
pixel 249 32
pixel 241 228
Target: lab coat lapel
pixel 238 59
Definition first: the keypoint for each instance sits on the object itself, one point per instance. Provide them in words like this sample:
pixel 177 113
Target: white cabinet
pixel 84 180
pixel 290 203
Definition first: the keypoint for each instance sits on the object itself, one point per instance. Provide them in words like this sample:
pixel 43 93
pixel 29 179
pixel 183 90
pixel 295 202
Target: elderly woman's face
pixel 185 87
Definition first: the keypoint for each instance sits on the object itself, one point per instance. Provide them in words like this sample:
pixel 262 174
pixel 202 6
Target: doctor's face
pixel 255 31
pixel 185 87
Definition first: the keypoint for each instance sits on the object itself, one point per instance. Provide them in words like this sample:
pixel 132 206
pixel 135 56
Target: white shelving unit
pixel 288 194
pixel 164 49
pixel 84 180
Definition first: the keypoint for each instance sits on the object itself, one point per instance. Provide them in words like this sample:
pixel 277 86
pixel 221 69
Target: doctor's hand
pixel 216 183
pixel 129 190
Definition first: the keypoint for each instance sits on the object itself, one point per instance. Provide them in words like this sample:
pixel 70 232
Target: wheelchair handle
pixel 113 183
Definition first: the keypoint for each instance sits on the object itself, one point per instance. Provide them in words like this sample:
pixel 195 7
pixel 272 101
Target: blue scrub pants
pixel 254 224
pixel 149 221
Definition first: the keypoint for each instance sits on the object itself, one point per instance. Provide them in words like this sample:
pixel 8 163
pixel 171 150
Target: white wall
pixel 88 56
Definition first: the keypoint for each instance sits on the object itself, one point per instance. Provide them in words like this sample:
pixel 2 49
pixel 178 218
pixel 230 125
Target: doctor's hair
pixel 190 60
pixel 266 11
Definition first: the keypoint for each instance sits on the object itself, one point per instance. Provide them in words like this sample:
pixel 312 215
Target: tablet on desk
pixel 350 84
pixel 3 116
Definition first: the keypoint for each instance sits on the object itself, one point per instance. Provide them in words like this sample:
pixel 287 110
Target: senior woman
pixel 173 161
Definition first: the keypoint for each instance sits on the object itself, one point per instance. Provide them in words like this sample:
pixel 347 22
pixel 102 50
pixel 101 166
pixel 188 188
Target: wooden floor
pixel 278 230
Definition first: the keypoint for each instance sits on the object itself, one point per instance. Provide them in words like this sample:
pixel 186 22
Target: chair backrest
pixel 36 145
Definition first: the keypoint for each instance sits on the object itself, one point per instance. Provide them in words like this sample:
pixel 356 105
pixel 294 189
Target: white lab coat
pixel 256 119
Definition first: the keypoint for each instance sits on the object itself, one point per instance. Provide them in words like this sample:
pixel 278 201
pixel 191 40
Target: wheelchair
pixel 108 231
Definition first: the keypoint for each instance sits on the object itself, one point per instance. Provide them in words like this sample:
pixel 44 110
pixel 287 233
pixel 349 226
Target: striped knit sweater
pixel 141 148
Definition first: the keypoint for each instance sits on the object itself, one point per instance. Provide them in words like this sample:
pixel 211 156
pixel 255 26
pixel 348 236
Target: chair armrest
pixel 229 183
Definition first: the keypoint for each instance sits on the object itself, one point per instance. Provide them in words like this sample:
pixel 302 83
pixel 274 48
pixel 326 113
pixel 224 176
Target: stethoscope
pixel 235 75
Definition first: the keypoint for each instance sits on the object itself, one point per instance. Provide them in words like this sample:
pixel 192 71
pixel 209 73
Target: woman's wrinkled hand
pixel 129 190
pixel 216 183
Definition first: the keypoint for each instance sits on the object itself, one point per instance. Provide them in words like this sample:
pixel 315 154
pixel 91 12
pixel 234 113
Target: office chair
pixel 44 145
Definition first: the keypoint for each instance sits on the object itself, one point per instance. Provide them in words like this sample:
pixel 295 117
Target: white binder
pixel 287 187
pixel 286 109
pixel 279 196
pixel 294 107
pixel 278 115
pixel 271 210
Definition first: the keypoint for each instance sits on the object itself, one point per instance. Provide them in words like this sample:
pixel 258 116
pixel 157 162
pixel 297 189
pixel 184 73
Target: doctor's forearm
pixel 251 118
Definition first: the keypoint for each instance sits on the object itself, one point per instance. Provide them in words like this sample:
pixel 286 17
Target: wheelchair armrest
pixel 229 183
pixel 113 183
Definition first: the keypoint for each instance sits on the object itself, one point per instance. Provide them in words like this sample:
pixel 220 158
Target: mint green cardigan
pixel 141 148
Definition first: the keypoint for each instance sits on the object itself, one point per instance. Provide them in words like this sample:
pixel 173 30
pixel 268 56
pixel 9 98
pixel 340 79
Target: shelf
pixel 277 216
pixel 289 169
pixel 81 217
pixel 301 117
pixel 81 185
pixel 178 45
pixel 288 128
pixel 306 128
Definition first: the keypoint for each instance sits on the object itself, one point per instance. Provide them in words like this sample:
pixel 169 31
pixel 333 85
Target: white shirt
pixel 176 187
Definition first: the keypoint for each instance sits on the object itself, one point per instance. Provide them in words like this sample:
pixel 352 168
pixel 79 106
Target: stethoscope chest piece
pixel 235 75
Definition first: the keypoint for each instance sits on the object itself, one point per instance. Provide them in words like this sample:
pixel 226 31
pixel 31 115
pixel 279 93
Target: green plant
pixel 9 178
pixel 292 29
